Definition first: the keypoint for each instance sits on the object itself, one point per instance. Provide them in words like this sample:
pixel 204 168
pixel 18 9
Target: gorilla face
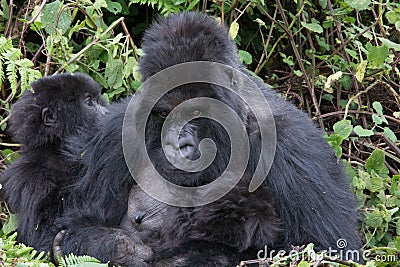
pixel 185 128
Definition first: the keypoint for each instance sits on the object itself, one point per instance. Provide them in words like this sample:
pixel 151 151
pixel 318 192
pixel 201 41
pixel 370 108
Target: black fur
pixel 305 198
pixel 41 121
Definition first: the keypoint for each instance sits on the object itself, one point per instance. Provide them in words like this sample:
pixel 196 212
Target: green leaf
pixel 396 241
pixel 360 182
pixel 192 4
pixel 352 53
pixel 130 64
pixel 245 57
pixel 393 16
pixel 390 44
pixel 378 107
pixel 327 97
pixel 303 264
pixel 113 73
pixel 113 7
pixel 375 184
pixel 23 251
pixel 360 131
pixel 11 224
pixel 374 219
pixel 392 201
pixel 49 16
pixel 343 128
pixel 361 70
pixel 392 212
pixel 376 162
pixel 314 27
pixel 323 3
pixel 395 186
pixel 390 134
pixel 6 10
pixel 377 120
pixel 260 22
pixel 323 43
pixel 9 155
pixel 234 29
pixel 115 92
pixel 335 141
pixel 287 59
pixel 298 73
pixel 377 55
pixel 332 79
pixel 358 4
pixel 98 4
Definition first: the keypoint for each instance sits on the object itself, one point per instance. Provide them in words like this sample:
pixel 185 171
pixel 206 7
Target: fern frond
pixel 5 44
pixel 81 261
pixel 11 56
pixel 11 72
pixel 27 74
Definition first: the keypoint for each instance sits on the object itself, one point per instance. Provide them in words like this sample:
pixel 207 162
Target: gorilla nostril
pixel 187 150
pixel 186 146
pixel 138 216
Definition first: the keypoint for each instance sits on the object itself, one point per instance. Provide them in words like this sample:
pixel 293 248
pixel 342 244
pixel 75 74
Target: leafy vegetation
pixel 336 59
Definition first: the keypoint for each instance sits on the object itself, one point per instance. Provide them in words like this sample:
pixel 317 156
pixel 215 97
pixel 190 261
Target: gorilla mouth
pixel 171 170
pixel 185 178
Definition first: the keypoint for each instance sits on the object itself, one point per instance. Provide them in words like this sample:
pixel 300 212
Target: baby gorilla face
pixel 145 216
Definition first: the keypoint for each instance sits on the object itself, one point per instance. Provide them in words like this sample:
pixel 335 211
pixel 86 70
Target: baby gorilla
pixel 60 107
pixel 161 226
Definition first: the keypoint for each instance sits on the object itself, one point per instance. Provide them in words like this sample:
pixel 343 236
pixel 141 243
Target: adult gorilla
pixel 304 198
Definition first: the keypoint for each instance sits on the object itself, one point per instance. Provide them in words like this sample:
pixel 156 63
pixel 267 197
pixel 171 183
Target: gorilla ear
pixel 49 118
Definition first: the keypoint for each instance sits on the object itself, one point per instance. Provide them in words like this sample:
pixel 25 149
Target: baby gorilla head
pixel 45 115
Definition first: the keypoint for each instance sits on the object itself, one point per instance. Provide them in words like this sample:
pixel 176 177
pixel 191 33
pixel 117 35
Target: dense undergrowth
pixel 336 60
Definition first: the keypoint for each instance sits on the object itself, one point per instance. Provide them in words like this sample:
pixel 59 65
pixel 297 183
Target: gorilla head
pixel 187 127
pixel 186 37
pixel 57 107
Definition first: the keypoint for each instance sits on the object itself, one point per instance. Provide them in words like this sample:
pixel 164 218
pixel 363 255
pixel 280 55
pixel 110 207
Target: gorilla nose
pixel 187 149
pixel 138 216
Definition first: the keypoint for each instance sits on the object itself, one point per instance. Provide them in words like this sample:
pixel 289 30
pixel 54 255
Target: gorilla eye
pixel 196 113
pixel 89 101
pixel 163 114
